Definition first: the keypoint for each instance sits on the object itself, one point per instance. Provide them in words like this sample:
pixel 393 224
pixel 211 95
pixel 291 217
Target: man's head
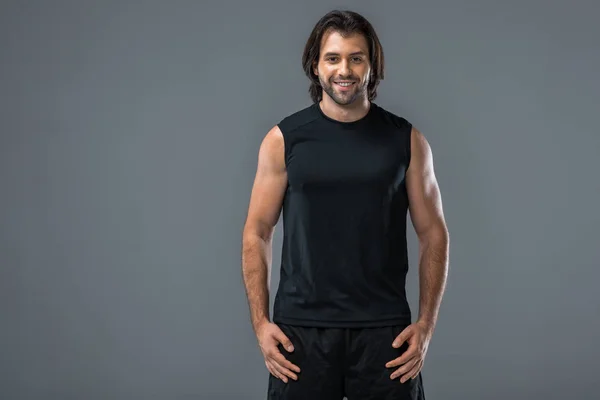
pixel 343 46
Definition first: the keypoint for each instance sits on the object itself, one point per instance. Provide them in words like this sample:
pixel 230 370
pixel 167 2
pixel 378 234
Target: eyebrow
pixel 356 53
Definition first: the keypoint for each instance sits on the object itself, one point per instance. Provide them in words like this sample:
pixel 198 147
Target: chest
pixel 343 160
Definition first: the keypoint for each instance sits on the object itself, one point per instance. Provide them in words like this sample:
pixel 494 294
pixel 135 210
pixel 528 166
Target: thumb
pixel 402 337
pixel 281 338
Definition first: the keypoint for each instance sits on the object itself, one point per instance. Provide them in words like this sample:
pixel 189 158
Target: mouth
pixel 344 85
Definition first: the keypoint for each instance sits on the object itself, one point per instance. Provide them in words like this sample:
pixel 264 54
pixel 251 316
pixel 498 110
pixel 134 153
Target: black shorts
pixel 344 362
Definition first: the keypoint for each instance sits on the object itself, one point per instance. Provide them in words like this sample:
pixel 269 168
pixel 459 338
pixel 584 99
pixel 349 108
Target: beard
pixel 344 98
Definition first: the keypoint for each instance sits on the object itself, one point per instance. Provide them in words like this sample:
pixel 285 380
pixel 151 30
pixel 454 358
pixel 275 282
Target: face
pixel 343 59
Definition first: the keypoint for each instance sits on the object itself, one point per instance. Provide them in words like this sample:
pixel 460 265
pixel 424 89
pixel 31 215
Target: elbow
pixel 437 235
pixel 257 231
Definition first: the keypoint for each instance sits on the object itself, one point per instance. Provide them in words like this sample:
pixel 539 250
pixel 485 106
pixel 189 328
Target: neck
pixel 348 113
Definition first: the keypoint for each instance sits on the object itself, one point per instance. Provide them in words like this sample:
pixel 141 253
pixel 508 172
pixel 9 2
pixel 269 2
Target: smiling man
pixel 345 172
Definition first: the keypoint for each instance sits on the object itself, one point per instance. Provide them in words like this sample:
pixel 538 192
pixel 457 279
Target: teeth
pixel 345 83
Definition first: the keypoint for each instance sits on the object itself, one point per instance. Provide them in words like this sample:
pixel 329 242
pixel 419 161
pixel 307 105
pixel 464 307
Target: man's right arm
pixel 264 209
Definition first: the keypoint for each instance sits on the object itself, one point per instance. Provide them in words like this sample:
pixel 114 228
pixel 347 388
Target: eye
pixel 354 59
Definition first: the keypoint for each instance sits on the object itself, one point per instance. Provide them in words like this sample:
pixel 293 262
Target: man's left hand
pixel 411 361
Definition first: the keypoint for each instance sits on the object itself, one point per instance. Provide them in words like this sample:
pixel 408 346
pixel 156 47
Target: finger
pixel 275 372
pixel 412 373
pixel 284 370
pixel 284 340
pixel 408 355
pixel 404 369
pixel 418 370
pixel 284 362
pixel 286 373
pixel 402 337
pixel 271 371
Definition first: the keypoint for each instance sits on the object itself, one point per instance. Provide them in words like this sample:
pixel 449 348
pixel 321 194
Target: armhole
pixel 408 144
pixel 285 164
pixel 285 146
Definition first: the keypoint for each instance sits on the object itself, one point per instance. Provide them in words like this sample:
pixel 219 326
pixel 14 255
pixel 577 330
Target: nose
pixel 345 68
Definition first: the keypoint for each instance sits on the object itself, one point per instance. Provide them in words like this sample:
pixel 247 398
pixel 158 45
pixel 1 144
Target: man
pixel 345 172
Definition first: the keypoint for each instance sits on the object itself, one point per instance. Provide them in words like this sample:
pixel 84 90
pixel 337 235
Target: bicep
pixel 425 202
pixel 269 185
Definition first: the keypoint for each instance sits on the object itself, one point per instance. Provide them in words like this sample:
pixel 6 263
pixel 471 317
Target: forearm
pixel 433 272
pixel 256 258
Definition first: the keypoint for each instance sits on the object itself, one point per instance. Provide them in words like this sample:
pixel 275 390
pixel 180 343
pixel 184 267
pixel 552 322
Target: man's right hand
pixel 269 336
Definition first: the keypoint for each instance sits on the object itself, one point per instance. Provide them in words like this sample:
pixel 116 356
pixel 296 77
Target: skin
pixel 344 59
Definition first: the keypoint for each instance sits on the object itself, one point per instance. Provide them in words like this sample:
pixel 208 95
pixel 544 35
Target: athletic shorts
pixel 344 362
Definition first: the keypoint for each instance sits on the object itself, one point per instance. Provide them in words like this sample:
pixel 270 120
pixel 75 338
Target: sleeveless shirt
pixel 344 251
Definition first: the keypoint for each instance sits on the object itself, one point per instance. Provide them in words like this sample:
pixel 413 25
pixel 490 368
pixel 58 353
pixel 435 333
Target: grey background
pixel 129 139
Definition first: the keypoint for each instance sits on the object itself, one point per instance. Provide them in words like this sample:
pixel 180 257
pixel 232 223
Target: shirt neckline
pixel 346 123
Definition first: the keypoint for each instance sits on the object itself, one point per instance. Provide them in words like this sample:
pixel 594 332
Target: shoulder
pixel 297 119
pixel 272 150
pixel 273 146
pixel 393 118
pixel 273 139
pixel 401 128
pixel 421 155
pixel 418 140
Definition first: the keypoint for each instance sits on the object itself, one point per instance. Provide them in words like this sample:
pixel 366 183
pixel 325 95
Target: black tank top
pixel 344 256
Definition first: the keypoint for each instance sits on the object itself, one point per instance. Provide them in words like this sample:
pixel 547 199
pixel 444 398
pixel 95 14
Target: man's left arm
pixel 425 207
pixel 427 215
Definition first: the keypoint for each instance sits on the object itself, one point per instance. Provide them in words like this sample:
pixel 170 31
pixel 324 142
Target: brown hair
pixel 346 23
